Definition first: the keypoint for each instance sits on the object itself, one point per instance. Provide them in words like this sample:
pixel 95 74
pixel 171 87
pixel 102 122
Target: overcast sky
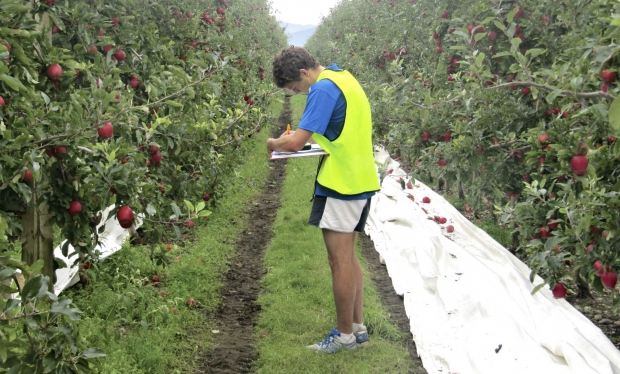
pixel 302 12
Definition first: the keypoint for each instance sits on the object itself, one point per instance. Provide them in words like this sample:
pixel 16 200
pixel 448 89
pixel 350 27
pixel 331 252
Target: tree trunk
pixel 38 237
pixel 447 189
pixel 461 191
pixel 583 289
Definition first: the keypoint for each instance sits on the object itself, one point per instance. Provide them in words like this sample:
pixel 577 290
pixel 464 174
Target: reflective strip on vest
pixel 350 167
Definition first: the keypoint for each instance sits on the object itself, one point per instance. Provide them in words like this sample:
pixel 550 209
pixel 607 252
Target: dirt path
pixel 238 313
pixel 389 298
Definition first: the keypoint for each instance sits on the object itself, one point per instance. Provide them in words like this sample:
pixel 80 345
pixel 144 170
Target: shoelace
pixel 332 334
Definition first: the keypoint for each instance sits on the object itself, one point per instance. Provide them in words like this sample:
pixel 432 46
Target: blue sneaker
pixel 361 338
pixel 333 343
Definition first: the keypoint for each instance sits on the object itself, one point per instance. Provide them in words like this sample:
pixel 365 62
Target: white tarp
pixel 466 295
pixel 110 241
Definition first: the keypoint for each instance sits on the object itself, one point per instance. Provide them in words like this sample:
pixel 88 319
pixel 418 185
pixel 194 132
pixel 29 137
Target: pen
pixel 288 129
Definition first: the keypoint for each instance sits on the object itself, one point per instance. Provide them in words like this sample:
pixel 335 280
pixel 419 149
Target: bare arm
pixel 289 143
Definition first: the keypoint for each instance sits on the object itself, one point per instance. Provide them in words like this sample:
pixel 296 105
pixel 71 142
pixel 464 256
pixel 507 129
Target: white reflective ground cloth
pixel 465 294
pixel 111 241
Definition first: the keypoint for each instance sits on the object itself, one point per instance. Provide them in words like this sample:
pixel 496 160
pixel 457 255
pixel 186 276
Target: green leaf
pixel 93 353
pixel 6 273
pixel 204 213
pixel 12 82
pixel 63 307
pixel 57 21
pixel 614 116
pixel 35 288
pixel 538 288
pixel 150 209
pixel 200 206
pixel 11 304
pixel 502 54
pixel 189 205
pixel 480 58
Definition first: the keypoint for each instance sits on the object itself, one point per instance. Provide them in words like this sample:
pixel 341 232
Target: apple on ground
pixel 426 200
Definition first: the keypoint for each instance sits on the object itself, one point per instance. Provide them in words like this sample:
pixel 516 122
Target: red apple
pixel 608 76
pixel 156 158
pixel 189 223
pixel 441 162
pixel 443 220
pixel 60 150
pixel 579 164
pixel 543 138
pixel 598 266
pixel 439 50
pixel 525 91
pixel 120 55
pixel 153 149
pixel 426 136
pixel 445 14
pixel 519 13
pixel 168 247
pixel 544 232
pixel 54 72
pixel 492 36
pixel 155 279
pixel 191 301
pixel 2 103
pixel 559 291
pixel 114 21
pixel 206 197
pixel 609 279
pixel 426 200
pixel 27 176
pixel 551 224
pixel 75 207
pixel 106 131
pixel 450 228
pixel 125 216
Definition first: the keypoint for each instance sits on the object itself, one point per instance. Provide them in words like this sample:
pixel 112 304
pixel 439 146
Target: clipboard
pixel 315 150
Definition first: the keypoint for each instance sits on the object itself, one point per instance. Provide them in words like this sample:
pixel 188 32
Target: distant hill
pixel 298 34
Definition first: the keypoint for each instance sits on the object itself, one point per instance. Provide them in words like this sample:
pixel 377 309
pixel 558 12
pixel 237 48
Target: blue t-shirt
pixel 325 113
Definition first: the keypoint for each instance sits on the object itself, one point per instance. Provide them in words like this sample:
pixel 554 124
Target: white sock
pixel 358 327
pixel 347 338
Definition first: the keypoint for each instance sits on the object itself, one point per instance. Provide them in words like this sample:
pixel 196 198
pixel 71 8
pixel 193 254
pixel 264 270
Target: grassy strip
pixel 145 327
pixel 297 301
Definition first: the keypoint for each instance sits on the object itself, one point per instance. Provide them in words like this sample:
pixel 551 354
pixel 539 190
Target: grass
pixel 297 301
pixel 125 314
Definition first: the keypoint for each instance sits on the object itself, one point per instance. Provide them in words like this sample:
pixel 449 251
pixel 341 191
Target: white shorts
pixel 339 215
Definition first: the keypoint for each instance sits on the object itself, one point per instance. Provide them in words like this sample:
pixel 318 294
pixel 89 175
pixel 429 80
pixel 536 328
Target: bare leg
pixel 358 308
pixel 344 266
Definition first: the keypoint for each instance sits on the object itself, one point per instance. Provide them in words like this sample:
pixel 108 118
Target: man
pixel 338 118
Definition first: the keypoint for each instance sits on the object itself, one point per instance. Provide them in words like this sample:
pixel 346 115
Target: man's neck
pixel 315 72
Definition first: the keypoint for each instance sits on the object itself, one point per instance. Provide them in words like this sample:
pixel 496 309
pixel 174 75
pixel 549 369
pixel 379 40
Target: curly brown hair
pixel 287 63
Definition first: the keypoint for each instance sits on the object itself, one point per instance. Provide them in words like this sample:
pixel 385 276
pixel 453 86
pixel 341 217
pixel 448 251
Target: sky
pixel 302 12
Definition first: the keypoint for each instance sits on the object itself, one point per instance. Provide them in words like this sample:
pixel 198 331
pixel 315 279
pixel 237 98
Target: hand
pixel 285 134
pixel 270 145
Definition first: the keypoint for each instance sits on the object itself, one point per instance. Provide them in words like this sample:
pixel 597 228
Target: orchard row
pixel 514 102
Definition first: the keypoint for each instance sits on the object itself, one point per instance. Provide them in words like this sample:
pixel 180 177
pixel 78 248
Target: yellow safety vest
pixel 350 167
